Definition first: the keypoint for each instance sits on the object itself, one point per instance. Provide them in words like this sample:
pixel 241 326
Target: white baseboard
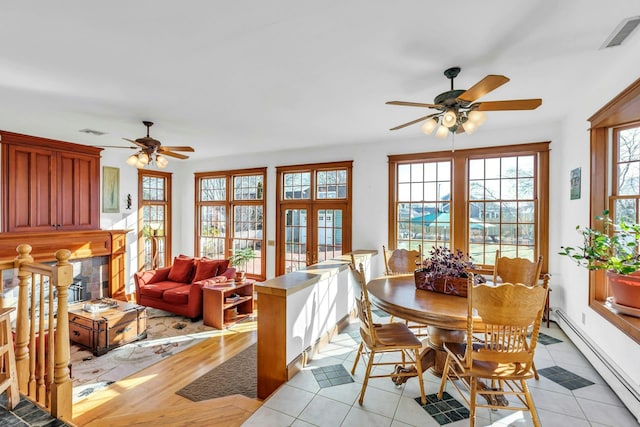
pixel 608 370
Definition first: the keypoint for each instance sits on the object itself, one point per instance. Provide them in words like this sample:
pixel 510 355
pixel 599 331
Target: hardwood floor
pixel 148 397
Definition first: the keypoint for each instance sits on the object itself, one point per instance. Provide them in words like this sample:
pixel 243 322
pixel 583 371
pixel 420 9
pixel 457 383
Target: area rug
pixel 237 375
pixel 167 334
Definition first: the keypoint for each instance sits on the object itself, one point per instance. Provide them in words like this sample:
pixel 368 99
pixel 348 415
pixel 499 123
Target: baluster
pixel 61 392
pixel 22 320
pixel 40 370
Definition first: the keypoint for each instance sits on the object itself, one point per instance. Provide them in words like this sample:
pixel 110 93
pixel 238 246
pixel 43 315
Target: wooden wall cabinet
pixel 49 185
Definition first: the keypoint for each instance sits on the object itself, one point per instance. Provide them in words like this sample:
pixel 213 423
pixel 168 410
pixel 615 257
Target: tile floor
pixel 26 414
pixel 309 400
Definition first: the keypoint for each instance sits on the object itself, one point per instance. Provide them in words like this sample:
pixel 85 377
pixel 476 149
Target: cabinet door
pixel 31 184
pixel 78 200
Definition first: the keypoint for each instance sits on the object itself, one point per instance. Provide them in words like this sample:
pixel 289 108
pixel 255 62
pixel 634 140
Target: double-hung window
pixel 478 201
pixel 230 215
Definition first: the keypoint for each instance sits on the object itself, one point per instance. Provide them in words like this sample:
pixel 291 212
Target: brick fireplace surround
pixel 92 244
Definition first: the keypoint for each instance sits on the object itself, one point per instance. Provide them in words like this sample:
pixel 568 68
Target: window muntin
pixel 297 186
pixel 331 184
pixel 626 193
pixel 248 187
pixel 422 207
pixel 213 222
pixel 313 214
pixel 213 189
pixel 475 200
pixel 154 218
pixel 622 112
pixel 502 208
pixel 230 215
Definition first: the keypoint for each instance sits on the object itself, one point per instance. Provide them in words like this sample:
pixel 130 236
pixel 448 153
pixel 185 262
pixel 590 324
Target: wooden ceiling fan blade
pixel 412 104
pixel 172 154
pixel 483 87
pixel 514 104
pixel 176 148
pixel 117 146
pixel 135 142
pixel 414 121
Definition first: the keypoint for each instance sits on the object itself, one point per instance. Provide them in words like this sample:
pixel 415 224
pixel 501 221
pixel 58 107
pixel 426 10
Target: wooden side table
pixel 214 304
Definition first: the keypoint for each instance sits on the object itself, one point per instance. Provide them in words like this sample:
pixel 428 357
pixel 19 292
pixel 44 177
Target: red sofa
pixel 178 288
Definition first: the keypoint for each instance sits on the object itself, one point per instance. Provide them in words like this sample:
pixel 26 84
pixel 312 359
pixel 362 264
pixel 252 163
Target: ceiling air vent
pixel 92 132
pixel 622 31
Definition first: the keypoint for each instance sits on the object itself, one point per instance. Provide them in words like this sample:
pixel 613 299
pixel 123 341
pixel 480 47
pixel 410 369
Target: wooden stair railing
pixel 42 358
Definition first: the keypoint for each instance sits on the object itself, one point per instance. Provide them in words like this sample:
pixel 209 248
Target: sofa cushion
pixel 224 265
pixel 206 268
pixel 181 270
pixel 179 295
pixel 156 290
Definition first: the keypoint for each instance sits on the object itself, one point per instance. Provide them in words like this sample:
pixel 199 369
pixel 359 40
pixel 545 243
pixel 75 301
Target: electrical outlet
pixel 584 319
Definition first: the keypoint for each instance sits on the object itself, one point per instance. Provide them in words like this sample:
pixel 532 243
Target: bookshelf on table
pixel 215 303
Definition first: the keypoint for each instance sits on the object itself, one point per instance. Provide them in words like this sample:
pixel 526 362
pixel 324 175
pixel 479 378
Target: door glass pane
pixel 329 228
pixel 295 239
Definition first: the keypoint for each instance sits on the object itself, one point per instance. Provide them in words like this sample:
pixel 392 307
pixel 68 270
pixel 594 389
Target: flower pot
pixel 625 288
pixel 444 285
pixel 240 276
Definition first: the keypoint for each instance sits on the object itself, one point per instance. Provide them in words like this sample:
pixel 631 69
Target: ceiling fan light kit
pixel 458 111
pixel 152 151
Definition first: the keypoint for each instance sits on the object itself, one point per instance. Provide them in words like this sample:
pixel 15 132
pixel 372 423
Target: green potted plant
pixel 613 248
pixel 239 260
pixel 445 271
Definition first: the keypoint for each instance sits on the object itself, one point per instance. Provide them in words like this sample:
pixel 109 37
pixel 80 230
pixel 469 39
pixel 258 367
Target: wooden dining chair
pixel 521 270
pixel 401 261
pixel 504 316
pixel 516 270
pixel 381 342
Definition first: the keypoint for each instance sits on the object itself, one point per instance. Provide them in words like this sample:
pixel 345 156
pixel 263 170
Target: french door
pixel 311 234
pixel 314 214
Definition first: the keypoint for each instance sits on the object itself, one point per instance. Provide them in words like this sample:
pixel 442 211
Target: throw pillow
pixel 181 270
pixel 224 265
pixel 205 268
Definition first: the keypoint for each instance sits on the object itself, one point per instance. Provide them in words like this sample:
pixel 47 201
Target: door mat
pixel 237 375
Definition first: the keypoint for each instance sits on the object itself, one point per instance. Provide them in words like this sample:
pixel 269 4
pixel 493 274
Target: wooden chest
pixel 105 330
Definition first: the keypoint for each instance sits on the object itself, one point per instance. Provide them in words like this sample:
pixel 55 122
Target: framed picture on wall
pixel 110 189
pixel 575 183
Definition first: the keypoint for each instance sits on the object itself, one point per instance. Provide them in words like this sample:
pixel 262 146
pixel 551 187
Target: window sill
pixel 628 324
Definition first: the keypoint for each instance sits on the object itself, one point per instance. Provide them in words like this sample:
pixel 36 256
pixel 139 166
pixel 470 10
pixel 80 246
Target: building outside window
pixel 230 209
pixel 154 219
pixel 478 201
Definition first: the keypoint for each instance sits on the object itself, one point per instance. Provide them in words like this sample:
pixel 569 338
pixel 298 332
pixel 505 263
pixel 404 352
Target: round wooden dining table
pixel 445 315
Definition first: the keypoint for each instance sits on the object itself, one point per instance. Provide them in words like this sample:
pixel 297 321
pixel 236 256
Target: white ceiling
pixel 249 76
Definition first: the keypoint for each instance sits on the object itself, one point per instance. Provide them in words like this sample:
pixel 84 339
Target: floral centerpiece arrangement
pixel 446 272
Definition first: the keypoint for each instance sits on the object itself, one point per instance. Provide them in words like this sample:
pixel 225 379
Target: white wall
pixel 370 179
pixel 569 282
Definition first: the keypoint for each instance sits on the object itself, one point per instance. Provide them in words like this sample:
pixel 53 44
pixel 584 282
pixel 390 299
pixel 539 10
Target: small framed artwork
pixel 575 183
pixel 110 189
